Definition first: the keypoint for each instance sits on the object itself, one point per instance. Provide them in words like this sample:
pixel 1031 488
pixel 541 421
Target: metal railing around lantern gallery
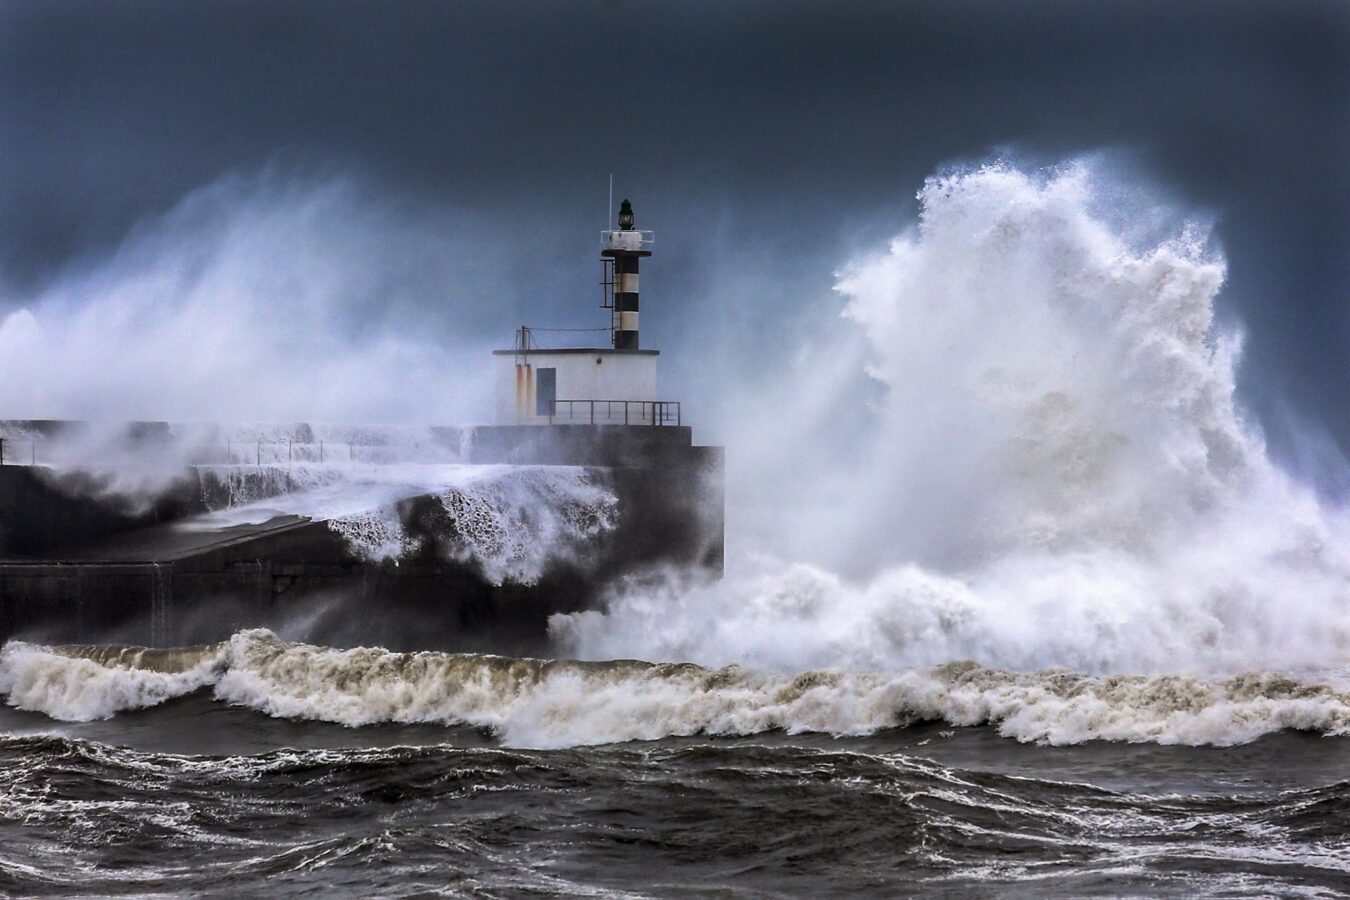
pixel 631 239
pixel 614 412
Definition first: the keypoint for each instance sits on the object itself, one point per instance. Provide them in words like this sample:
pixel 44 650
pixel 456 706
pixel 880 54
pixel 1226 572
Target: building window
pixel 545 391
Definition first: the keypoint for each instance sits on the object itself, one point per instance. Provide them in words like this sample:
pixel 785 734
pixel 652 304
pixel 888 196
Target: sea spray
pixel 1055 471
pixel 170 324
pixel 512 527
pixel 560 703
pixel 511 522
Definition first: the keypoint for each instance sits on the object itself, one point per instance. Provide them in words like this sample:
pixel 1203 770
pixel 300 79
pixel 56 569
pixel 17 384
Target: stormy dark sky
pixel 764 137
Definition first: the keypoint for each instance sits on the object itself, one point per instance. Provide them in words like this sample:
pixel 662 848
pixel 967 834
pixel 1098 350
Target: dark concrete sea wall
pixel 39 510
pixel 301 577
pixel 78 569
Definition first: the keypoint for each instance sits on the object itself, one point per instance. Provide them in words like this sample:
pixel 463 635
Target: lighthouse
pixel 623 248
pixel 538 384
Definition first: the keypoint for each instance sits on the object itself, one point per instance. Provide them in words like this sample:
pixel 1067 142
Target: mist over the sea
pixel 269 297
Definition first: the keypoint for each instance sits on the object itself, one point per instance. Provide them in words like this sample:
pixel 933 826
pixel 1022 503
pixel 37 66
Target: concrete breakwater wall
pixel 81 564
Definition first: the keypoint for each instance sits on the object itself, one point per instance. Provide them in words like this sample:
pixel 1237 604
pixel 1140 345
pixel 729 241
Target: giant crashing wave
pixel 1023 445
pixel 558 703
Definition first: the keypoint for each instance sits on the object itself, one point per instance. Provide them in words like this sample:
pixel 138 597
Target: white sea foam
pixel 83 684
pixel 513 525
pixel 1054 471
pixel 538 703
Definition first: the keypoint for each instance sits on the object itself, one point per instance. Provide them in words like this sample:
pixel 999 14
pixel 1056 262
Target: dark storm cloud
pixel 779 130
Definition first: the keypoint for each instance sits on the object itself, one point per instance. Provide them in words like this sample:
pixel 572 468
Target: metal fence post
pixel 320 451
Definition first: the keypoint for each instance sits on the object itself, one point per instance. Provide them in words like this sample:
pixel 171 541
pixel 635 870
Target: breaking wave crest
pixel 82 683
pixel 558 703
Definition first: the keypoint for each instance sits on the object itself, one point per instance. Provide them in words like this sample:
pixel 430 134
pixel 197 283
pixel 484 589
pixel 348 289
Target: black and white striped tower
pixel 625 247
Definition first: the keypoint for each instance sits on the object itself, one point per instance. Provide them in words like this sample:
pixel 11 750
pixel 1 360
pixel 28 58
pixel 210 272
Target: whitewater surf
pixel 544 704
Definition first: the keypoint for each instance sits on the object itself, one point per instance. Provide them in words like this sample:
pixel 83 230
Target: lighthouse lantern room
pixel 614 385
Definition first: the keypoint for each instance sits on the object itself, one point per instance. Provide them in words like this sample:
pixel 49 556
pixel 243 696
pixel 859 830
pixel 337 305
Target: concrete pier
pixel 75 569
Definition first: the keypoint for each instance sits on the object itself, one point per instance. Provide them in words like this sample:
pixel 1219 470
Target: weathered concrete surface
pixel 274 577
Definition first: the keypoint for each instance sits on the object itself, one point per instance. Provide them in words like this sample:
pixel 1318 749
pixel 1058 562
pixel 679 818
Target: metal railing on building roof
pixel 614 412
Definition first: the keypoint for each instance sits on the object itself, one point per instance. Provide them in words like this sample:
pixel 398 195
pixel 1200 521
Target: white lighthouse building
pixel 614 385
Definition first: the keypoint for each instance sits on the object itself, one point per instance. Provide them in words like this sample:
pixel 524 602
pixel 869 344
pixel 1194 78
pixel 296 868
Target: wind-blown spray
pixel 265 297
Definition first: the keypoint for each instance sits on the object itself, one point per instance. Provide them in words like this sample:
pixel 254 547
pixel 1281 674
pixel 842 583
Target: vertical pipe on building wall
pixel 530 394
pixel 522 392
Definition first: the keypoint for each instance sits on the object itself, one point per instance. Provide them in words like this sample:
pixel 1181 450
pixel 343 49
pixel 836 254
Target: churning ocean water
pixel 1044 619
pixel 261 766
